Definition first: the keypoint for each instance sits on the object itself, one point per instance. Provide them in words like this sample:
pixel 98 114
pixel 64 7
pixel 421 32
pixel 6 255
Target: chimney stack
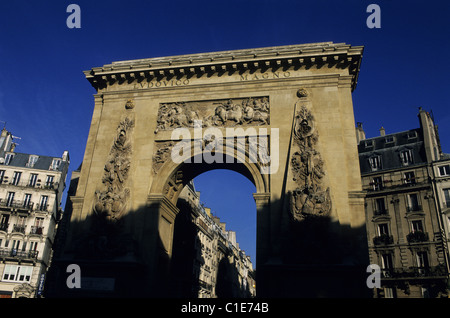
pixel 360 134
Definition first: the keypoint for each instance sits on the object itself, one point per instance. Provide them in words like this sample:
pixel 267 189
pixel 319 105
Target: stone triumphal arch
pixel 282 116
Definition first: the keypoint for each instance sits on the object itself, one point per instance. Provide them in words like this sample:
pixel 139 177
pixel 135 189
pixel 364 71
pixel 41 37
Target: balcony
pixel 417 237
pixel 41 207
pixel 415 272
pixel 37 230
pixel 17 205
pixel 393 184
pixel 415 208
pixel 5 252
pixel 383 239
pixel 32 184
pixel 380 212
pixel 19 228
pixel 23 206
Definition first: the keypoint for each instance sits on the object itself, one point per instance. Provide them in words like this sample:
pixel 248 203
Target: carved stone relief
pixel 162 153
pixel 174 185
pixel 220 113
pixel 309 198
pixel 110 202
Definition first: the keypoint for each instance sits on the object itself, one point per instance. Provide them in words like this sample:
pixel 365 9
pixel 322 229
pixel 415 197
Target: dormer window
pixel 8 158
pixel 389 139
pixel 411 134
pixel 368 143
pixel 32 161
pixel 375 163
pixel 406 157
pixel 55 164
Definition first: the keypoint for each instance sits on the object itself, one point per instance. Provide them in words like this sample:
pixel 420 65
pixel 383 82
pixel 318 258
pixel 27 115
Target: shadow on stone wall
pixel 317 258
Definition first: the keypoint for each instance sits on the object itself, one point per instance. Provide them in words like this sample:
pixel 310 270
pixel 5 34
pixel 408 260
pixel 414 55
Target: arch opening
pixel 214 240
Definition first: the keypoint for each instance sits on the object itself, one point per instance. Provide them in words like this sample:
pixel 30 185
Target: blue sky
pixel 47 102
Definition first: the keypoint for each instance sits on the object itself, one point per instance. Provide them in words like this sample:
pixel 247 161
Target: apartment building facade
pixel 441 185
pixel 207 260
pixel 406 235
pixel 31 189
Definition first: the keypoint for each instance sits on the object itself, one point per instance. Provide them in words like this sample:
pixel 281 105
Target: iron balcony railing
pixel 380 212
pixel 414 208
pixel 16 204
pixel 417 237
pixel 391 184
pixel 23 205
pixel 36 230
pixel 414 272
pixel 32 184
pixel 19 228
pixel 13 252
pixel 383 239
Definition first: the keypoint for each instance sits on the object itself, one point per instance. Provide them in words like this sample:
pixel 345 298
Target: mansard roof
pixel 389 147
pixel 43 162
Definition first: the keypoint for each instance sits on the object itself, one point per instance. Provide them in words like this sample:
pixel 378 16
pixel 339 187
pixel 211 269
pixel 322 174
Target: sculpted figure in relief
pixel 225 113
pixel 309 198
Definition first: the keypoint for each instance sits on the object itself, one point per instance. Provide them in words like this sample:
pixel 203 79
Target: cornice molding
pixel 339 55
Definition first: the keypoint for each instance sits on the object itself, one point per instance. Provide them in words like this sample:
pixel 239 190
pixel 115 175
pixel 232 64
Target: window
pixel 27 200
pixel 38 226
pixel 406 157
pixel 33 179
pixel 422 261
pixel 447 197
pixel 377 183
pixel 43 204
pixel 380 207
pixel 16 178
pixel 55 164
pixel 17 273
pixel 383 229
pixel 410 178
pixel 368 143
pixel 375 163
pixel 417 226
pixel 389 139
pixel 386 261
pixel 32 161
pixel 8 158
pixel 10 199
pixel 389 292
pixel 49 181
pixel 15 246
pixel 2 175
pixel 444 170
pixel 33 246
pixel 411 134
pixel 21 220
pixel 413 202
pixel 4 222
